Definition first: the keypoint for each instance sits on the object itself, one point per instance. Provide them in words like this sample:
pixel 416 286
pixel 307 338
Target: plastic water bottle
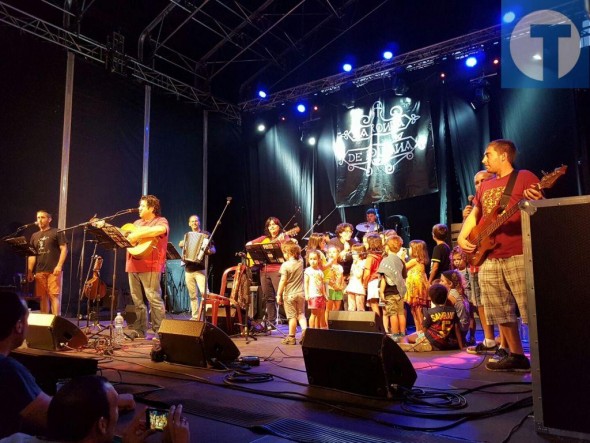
pixel 119 323
pixel 524 331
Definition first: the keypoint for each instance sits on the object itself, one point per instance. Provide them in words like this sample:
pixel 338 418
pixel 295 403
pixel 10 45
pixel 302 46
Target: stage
pixel 273 401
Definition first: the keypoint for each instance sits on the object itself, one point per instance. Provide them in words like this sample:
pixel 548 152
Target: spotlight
pixel 316 108
pixel 496 61
pixel 301 108
pixel 311 141
pixel 283 118
pixel 481 95
pixel 261 127
pixel 509 17
pixel 262 93
pixel 470 62
pixel 387 55
pixel 347 67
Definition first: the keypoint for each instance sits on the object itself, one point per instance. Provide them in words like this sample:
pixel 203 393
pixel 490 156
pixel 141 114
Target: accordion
pixel 195 245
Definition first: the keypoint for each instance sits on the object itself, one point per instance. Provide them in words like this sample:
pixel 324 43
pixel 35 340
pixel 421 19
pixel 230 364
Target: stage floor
pixel 275 403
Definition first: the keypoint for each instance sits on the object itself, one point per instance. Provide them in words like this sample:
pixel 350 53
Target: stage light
pixel 301 108
pixel 347 67
pixel 283 118
pixel 496 61
pixel 311 141
pixel 316 108
pixel 470 62
pixel 537 57
pixel 443 75
pixel 399 86
pixel 481 95
pixel 387 55
pixel 261 127
pixel 509 17
pixel 262 93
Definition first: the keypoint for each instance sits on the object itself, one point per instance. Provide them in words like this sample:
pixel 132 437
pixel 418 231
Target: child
pixel 374 257
pixel 417 282
pixel 459 262
pixel 334 279
pixel 453 281
pixel 440 328
pixel 315 290
pixel 392 288
pixel 440 254
pixel 355 289
pixel 291 288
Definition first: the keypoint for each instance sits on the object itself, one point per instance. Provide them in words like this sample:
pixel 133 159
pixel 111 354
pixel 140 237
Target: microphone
pixel 129 211
pixel 319 218
pixel 228 199
pixel 240 254
pixel 470 199
pixel 28 225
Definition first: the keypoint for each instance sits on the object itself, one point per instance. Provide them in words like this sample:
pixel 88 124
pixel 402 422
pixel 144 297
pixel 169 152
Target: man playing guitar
pixel 502 274
pixel 144 271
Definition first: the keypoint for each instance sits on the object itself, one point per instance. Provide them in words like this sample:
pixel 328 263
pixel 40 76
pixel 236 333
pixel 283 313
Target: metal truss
pixel 418 59
pixel 102 54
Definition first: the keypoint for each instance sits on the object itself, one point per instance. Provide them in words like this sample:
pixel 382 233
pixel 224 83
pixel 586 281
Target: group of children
pixel 383 277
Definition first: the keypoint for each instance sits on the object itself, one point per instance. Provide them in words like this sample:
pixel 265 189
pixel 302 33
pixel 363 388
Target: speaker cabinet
pixel 49 367
pixel 53 333
pixel 556 248
pixel 366 321
pixel 374 364
pixel 195 343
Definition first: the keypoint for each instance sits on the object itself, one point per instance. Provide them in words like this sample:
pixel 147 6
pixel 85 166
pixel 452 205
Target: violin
pixel 95 288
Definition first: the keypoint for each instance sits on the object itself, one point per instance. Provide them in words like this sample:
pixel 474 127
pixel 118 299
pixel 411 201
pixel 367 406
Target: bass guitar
pixel 144 247
pixel 482 235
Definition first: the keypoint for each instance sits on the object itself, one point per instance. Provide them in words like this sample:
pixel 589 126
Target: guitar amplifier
pixel 557 290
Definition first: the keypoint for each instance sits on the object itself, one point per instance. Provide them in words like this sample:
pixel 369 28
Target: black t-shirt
pixel 441 254
pixel 47 244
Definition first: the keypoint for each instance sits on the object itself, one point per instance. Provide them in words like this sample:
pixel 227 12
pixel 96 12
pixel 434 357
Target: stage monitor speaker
pixel 195 343
pixel 53 333
pixel 365 321
pixel 48 368
pixel 374 364
pixel 556 245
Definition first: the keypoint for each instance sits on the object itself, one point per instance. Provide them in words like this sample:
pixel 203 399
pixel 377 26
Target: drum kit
pixel 367 227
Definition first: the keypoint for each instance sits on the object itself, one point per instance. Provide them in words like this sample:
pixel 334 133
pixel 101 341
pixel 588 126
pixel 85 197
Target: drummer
pixel 194 273
pixel 371 223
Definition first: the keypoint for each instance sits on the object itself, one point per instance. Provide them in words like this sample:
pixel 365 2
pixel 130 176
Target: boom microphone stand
pixel 203 314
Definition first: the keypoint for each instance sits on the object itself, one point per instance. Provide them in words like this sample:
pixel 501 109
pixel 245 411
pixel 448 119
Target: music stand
pixel 265 254
pixel 20 246
pixel 171 254
pixel 110 237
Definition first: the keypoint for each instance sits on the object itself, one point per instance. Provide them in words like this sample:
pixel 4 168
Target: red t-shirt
pixel 156 261
pixel 508 237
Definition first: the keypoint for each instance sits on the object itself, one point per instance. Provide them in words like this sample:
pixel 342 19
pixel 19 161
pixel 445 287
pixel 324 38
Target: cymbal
pixel 367 227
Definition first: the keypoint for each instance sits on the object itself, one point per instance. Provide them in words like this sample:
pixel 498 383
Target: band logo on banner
pixel 384 153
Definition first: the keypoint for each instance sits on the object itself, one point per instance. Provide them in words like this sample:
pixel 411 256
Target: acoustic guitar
pixel 482 235
pixel 290 233
pixel 144 247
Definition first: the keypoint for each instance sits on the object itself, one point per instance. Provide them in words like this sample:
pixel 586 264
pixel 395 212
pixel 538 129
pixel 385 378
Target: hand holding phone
pixel 156 419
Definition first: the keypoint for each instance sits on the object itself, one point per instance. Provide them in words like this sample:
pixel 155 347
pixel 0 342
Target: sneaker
pixel 499 355
pixel 471 342
pixel 133 334
pixel 510 363
pixel 480 348
pixel 289 341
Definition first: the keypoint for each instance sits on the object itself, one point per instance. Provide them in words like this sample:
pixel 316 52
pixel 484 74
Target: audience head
pixel 292 250
pixel 84 408
pixel 344 231
pixel 419 251
pixel 374 242
pixel 14 316
pixel 313 257
pixel 359 251
pixel 453 280
pixel 316 241
pixel 439 232
pixel 458 258
pixel 438 294
pixel 394 243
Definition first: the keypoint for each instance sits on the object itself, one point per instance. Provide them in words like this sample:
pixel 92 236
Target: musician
pixel 46 267
pixel 144 272
pixel 269 275
pixel 501 276
pixel 194 273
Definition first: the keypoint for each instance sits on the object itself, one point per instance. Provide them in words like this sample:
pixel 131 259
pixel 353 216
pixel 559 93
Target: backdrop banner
pixel 384 152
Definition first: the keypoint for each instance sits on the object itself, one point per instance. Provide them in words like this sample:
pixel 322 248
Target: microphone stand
pixel 297 211
pixel 310 230
pixel 203 311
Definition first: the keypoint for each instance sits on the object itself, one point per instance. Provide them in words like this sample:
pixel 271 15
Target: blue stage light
pixel 470 62
pixel 509 17
pixel 301 108
pixel 387 55
pixel 347 67
pixel 262 93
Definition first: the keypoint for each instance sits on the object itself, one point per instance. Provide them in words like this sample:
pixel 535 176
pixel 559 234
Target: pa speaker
pixel 53 333
pixel 378 358
pixel 194 343
pixel 366 321
pixel 559 368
